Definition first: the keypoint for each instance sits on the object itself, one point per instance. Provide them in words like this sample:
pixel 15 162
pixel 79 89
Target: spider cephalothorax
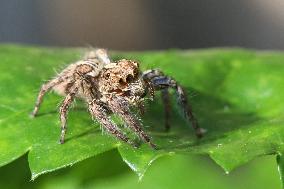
pixel 113 87
pixel 122 79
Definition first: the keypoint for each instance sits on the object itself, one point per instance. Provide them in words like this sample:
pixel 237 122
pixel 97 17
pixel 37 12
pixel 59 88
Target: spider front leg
pixel 69 98
pixel 44 89
pixel 100 114
pixel 167 107
pixel 188 110
pixel 120 107
pixel 162 82
pixel 148 76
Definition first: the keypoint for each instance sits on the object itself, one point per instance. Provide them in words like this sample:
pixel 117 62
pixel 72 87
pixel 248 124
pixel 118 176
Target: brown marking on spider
pixel 113 87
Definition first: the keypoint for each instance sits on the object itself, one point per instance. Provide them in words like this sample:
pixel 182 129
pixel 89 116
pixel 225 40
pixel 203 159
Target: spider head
pixel 122 78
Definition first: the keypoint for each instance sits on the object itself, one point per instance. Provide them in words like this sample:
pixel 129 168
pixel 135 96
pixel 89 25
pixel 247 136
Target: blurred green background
pixel 179 171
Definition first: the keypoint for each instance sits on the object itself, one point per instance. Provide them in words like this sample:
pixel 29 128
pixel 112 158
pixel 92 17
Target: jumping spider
pixel 113 87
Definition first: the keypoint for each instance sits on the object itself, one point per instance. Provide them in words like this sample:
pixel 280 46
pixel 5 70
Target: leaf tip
pixel 34 176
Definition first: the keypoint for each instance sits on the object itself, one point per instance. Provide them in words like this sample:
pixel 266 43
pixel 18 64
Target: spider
pixel 113 87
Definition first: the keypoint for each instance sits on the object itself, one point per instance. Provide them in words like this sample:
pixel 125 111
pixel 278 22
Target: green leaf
pixel 280 163
pixel 179 171
pixel 236 95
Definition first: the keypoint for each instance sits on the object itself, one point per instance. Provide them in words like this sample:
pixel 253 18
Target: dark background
pixel 144 24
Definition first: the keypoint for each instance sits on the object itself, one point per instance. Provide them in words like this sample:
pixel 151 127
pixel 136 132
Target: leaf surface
pixel 236 94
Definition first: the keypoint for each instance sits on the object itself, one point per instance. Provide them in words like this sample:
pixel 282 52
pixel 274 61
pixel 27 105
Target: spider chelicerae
pixel 113 87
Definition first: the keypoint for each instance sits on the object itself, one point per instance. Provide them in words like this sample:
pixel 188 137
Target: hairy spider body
pixel 113 87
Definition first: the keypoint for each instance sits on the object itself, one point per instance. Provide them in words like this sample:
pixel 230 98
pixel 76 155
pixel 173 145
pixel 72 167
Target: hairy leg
pixel 44 89
pixel 167 107
pixel 147 77
pixel 100 114
pixel 120 107
pixel 99 54
pixel 141 108
pixel 188 111
pixel 162 82
pixel 69 98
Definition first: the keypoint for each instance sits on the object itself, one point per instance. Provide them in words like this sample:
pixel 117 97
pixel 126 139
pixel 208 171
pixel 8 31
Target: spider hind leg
pixel 63 112
pixel 43 90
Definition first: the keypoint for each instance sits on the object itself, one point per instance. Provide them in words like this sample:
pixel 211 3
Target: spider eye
pixel 121 81
pixel 135 72
pixel 107 76
pixel 129 78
